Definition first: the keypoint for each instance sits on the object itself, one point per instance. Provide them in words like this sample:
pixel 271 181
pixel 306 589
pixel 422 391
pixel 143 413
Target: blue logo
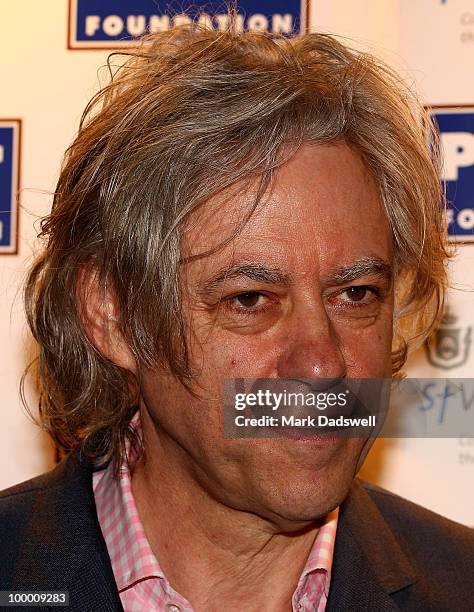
pixel 9 184
pixel 456 126
pixel 111 24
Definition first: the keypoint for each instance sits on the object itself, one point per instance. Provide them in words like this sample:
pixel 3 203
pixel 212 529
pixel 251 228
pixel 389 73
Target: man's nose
pixel 313 349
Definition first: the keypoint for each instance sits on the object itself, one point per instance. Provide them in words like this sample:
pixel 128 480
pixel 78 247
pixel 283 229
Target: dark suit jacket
pixel 390 554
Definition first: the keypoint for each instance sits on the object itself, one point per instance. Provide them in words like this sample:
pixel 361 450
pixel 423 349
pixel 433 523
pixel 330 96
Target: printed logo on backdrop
pixel 9 184
pixel 109 24
pixel 459 19
pixel 456 126
pixel 449 346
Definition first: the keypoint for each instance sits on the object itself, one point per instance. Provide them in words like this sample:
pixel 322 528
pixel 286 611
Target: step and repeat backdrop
pixel 51 54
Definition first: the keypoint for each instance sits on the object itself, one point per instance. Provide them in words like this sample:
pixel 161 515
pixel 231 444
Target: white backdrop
pixel 47 86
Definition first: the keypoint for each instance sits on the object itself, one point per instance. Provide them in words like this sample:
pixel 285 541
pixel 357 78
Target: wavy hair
pixel 188 113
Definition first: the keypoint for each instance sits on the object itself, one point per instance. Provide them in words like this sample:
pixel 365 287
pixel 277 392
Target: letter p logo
pixel 458 148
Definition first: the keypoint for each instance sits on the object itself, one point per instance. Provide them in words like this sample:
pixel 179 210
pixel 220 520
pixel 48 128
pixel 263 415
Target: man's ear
pixel 100 317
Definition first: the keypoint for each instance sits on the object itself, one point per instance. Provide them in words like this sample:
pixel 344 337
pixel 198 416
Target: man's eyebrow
pixel 251 271
pixel 366 266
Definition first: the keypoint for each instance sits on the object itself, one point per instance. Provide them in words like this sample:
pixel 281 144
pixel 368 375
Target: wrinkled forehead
pixel 322 208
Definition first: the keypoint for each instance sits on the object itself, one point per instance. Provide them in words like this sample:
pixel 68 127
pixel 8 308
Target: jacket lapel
pixel 63 548
pixel 369 565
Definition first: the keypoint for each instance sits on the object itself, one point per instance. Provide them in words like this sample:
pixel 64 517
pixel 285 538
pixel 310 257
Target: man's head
pixel 236 206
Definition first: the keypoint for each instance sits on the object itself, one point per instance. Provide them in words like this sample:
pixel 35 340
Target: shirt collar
pixel 130 554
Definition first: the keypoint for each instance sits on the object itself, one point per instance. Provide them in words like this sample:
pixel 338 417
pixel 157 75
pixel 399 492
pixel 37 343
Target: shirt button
pixel 170 607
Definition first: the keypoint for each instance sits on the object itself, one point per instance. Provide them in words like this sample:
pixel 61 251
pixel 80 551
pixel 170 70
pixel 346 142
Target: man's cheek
pixel 370 357
pixel 243 360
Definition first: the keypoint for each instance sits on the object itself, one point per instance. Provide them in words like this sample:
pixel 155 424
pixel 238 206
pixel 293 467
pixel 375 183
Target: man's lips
pixel 307 435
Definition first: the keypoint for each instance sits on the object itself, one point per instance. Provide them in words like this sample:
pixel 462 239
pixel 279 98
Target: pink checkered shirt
pixel 141 583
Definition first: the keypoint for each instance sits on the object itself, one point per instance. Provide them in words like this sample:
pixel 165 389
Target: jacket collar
pixel 63 545
pixel 369 565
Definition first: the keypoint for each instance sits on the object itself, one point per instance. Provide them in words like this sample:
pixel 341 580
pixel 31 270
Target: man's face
pixel 303 291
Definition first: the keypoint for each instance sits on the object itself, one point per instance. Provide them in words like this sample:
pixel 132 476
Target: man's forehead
pixel 312 217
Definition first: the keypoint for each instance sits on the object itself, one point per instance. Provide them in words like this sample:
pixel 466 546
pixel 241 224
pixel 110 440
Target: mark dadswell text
pixel 308 421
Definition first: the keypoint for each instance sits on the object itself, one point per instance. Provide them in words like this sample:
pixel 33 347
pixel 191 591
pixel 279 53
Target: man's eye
pixel 251 300
pixel 357 294
pixel 361 294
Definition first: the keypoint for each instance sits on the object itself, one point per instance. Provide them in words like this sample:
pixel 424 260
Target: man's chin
pixel 304 498
pixel 304 513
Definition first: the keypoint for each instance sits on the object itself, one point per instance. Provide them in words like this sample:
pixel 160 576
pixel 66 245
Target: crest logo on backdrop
pixel 9 184
pixel 448 347
pixel 109 24
pixel 456 126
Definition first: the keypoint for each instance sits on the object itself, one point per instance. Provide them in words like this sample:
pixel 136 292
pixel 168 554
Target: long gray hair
pixel 189 113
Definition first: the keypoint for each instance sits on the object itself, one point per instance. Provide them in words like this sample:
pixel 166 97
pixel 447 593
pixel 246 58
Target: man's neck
pixel 215 556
